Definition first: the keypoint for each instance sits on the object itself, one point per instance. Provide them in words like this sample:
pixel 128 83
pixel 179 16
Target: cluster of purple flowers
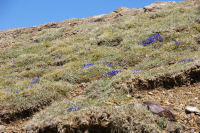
pixel 73 108
pixel 13 66
pixel 176 43
pixel 151 39
pixel 108 64
pixel 37 80
pixel 190 59
pixel 91 64
pixel 62 63
pixel 112 73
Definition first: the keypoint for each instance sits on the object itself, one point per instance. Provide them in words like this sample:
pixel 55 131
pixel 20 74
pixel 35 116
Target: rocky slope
pixel 132 70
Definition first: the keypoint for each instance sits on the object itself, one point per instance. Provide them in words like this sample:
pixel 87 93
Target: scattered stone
pixel 190 109
pixel 129 95
pixel 181 28
pixel 156 6
pixel 139 96
pixel 177 108
pixel 1 129
pixel 159 110
pixel 150 93
pixel 121 9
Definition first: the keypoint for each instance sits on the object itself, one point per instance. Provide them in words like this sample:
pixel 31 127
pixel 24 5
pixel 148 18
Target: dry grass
pixel 115 41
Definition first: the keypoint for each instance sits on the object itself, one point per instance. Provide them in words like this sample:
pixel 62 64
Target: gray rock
pixel 1 129
pixel 190 109
pixel 177 109
pixel 157 109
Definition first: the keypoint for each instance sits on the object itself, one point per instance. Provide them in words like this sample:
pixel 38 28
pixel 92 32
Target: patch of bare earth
pixel 176 99
pixel 13 120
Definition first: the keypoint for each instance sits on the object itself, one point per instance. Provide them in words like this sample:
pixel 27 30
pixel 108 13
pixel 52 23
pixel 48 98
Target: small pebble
pixel 139 96
pixel 128 95
pixel 177 109
pixel 150 93
pixel 2 129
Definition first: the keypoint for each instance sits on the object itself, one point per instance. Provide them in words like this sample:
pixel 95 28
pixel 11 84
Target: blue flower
pixel 144 42
pixel 89 64
pixel 83 66
pixel 152 39
pixel 161 39
pixel 26 87
pixel 37 80
pixel 59 57
pixel 190 59
pixel 138 70
pixel 112 73
pixel 13 66
pixel 110 65
pixel 18 91
pixel 70 108
pixel 73 108
pixel 176 43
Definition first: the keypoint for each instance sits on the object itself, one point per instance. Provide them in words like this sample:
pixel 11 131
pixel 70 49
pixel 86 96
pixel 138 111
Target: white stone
pixel 191 109
pixel 1 129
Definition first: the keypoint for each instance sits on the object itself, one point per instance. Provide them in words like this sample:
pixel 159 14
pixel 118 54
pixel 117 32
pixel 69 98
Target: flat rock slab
pixel 190 109
pixel 159 110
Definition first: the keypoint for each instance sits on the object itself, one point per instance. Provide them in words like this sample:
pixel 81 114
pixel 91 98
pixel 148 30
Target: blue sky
pixel 25 13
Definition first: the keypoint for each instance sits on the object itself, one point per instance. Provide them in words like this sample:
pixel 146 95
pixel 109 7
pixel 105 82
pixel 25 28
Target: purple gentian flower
pixel 37 80
pixel 190 59
pixel 176 43
pixel 18 91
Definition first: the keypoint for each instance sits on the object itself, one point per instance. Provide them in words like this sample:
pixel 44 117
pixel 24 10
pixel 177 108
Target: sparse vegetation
pixel 65 59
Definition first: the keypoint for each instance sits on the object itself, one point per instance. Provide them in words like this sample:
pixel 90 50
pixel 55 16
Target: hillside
pixel 98 74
